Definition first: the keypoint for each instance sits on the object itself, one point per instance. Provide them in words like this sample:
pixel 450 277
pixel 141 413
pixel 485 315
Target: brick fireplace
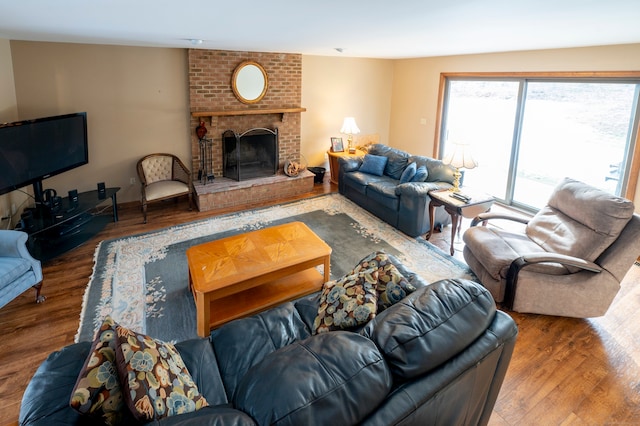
pixel 213 102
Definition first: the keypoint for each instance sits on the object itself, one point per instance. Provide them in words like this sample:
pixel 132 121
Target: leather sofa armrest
pixel 46 399
pixel 419 189
pixel 349 164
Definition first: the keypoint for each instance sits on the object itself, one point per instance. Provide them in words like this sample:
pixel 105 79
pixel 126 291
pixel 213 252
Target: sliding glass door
pixel 482 114
pixel 529 134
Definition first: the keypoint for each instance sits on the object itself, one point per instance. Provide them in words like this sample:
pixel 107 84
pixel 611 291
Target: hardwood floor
pixel 564 371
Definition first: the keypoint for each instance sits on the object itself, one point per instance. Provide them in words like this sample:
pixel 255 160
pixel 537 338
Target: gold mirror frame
pixel 249 82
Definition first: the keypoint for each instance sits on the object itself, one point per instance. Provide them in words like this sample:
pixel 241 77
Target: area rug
pixel 142 281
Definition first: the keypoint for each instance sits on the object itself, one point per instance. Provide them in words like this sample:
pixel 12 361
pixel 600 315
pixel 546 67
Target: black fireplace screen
pixel 250 155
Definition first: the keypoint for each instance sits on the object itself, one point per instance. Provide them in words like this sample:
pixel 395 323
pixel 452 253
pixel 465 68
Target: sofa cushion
pixel 155 381
pixel 415 335
pixel 270 330
pixel 165 188
pixel 331 378
pixel 383 192
pixel 437 170
pixel 579 220
pixel 346 302
pixel 373 164
pixel 408 173
pixel 397 159
pixel 421 174
pixel 396 163
pixel 201 362
pixel 495 249
pixel 359 181
pixel 97 391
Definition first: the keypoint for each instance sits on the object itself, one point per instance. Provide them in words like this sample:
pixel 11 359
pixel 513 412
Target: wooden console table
pixel 457 209
pixel 247 273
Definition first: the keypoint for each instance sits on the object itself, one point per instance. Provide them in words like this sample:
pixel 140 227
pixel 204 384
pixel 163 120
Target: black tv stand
pixel 54 232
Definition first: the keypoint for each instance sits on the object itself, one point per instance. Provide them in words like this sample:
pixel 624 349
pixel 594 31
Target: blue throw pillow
pixel 408 173
pixel 421 174
pixel 373 164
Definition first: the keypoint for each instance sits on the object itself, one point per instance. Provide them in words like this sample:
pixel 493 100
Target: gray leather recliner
pixel 569 258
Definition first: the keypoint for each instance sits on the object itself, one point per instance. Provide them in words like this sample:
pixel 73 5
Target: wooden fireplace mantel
pixel 281 111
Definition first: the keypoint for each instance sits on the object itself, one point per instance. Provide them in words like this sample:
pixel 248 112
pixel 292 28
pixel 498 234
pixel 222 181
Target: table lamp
pixel 350 128
pixel 459 157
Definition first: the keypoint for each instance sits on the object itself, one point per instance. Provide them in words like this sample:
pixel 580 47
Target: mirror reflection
pixel 249 82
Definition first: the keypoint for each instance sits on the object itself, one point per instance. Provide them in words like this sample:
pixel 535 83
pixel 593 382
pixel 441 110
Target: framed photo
pixel 336 145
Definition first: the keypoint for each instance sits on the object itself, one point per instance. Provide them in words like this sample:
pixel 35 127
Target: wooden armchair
pixel 163 176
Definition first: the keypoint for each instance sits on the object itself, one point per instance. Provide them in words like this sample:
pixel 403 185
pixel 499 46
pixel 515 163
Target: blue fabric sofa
pixel 19 271
pixel 404 205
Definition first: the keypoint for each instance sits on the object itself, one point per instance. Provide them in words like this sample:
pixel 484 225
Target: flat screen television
pixel 33 150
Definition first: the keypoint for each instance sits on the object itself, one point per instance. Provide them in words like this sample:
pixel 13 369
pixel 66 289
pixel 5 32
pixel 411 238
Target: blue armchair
pixel 18 269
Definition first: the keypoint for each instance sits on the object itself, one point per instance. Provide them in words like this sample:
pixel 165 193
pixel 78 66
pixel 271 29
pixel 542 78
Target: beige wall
pixel 136 101
pixel 8 113
pixel 8 103
pixel 416 83
pixel 137 98
pixel 334 88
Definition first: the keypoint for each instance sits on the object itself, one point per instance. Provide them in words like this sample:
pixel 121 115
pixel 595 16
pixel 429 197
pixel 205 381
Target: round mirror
pixel 249 82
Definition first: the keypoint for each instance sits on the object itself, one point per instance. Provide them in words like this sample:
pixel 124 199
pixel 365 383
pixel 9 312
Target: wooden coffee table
pixel 247 273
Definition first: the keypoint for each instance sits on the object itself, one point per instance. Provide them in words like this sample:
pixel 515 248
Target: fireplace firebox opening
pixel 250 155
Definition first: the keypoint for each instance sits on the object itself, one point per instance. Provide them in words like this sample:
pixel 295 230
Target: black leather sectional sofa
pixel 437 357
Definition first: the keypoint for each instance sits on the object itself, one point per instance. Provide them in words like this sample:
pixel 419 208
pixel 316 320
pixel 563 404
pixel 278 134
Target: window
pixel 528 133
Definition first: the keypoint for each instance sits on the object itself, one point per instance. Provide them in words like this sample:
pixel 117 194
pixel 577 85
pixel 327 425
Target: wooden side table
pixel 457 209
pixel 334 164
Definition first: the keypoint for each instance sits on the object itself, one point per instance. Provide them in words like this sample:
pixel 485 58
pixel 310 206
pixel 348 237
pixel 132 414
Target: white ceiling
pixel 363 28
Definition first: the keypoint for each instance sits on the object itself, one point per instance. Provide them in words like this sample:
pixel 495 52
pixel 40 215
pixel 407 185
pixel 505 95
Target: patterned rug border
pixel 125 257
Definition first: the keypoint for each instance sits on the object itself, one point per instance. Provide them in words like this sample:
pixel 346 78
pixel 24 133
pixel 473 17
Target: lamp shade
pixel 349 126
pixel 460 157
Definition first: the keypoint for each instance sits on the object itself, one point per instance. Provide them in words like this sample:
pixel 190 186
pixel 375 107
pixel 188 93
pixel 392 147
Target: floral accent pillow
pixel 347 302
pixel 155 381
pixel 97 391
pixel 391 285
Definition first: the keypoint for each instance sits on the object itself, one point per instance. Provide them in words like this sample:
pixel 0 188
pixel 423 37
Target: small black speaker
pixel 26 221
pixel 73 196
pixel 102 191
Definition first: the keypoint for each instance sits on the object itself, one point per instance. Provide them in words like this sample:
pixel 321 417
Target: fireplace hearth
pixel 250 155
